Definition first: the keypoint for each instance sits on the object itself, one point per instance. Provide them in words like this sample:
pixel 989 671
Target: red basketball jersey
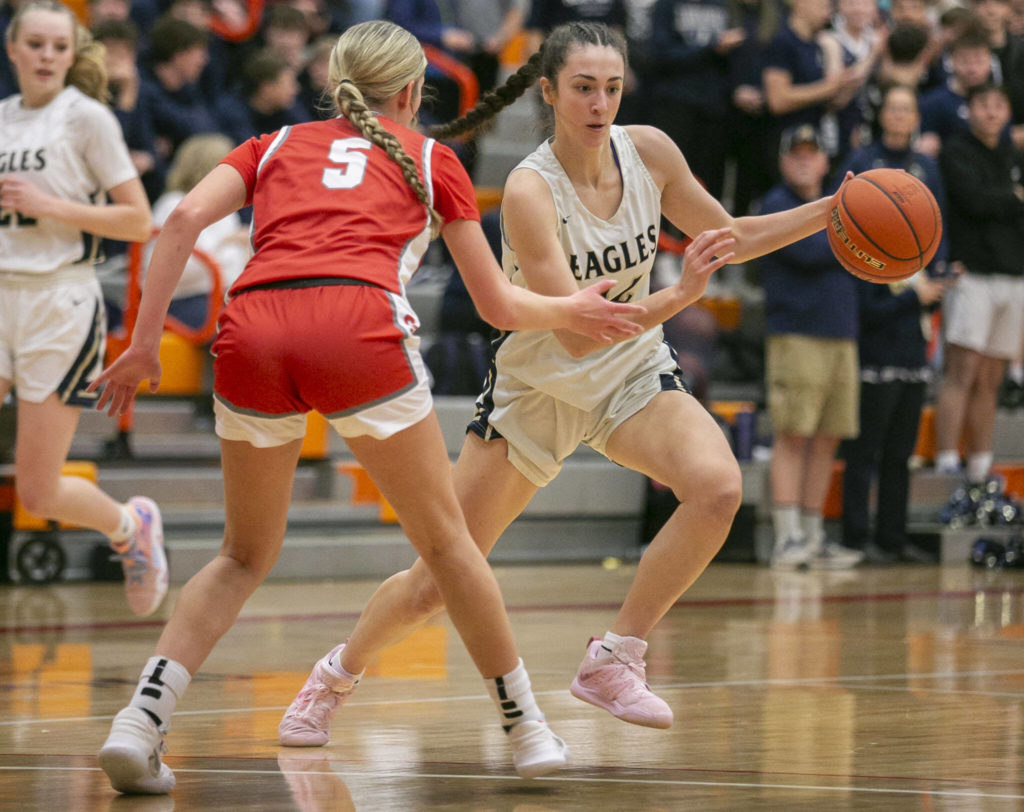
pixel 326 202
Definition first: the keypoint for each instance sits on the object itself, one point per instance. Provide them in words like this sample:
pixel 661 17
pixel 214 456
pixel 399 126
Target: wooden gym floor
pixel 879 689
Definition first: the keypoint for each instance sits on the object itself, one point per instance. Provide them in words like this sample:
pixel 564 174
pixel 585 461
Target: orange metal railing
pixel 119 341
pixel 464 78
pixel 250 26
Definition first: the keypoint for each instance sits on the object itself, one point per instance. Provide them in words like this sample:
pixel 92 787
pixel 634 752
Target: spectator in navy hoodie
pixel 130 100
pixel 268 102
pixel 177 55
pixel 944 109
pixel 811 326
pixel 894 369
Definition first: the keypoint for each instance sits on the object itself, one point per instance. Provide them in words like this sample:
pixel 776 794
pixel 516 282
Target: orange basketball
pixel 884 225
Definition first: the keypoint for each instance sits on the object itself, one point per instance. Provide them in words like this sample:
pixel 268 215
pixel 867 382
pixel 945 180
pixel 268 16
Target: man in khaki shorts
pixel 812 367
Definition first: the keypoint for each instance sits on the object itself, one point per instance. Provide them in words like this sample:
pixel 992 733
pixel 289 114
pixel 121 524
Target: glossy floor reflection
pixel 882 689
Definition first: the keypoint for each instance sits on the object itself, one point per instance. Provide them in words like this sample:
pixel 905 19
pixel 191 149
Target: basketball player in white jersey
pixel 586 206
pixel 61 155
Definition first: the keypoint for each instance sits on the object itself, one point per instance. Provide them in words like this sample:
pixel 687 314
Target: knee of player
pixel 717 487
pixel 425 596
pixel 255 561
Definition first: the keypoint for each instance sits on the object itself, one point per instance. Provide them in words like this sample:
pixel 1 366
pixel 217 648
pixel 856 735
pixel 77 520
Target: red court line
pixel 688 603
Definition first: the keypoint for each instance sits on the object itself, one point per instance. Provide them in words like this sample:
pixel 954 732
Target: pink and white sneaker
pixel 619 684
pixel 307 721
pixel 143 560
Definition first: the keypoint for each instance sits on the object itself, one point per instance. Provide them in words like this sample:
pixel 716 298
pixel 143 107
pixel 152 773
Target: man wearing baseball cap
pixel 812 369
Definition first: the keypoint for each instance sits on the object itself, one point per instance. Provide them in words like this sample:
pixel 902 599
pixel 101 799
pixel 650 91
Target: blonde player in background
pixel 61 154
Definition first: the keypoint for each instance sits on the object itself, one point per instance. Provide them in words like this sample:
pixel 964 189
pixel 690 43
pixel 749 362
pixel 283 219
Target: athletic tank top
pixel 622 248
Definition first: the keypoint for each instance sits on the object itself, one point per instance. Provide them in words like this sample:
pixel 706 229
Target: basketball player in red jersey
pixel 343 211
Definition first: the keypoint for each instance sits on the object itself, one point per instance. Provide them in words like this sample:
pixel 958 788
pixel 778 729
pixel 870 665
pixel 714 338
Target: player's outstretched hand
pixel 703 256
pixel 120 381
pixel 599 319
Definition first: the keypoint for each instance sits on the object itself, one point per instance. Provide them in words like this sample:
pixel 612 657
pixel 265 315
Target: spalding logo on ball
pixel 884 225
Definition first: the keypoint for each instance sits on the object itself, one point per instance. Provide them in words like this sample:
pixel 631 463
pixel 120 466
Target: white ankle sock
pixel 335 663
pixel 978 466
pixel 162 684
pixel 512 695
pixel 948 460
pixel 125 530
pixel 1015 371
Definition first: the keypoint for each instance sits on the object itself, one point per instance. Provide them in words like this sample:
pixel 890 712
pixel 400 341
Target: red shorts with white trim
pixel 339 349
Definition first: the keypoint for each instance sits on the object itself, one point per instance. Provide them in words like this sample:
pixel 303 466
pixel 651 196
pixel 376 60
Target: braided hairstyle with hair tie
pixel 364 120
pixel 371 62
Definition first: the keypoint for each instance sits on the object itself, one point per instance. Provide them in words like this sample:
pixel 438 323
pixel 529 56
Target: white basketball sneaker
pixel 131 755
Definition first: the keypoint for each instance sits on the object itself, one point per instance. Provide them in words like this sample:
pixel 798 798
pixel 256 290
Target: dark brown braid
pixel 547 62
pixel 492 103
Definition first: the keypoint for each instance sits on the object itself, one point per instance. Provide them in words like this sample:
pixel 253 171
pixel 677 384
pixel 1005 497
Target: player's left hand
pixel 708 252
pixel 24 197
pixel 602 320
pixel 120 381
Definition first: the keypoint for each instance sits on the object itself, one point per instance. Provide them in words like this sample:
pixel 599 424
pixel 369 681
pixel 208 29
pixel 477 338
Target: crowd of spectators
pixel 722 77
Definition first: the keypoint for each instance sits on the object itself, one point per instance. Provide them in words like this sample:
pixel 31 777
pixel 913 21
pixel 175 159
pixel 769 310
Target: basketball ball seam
pixel 867 236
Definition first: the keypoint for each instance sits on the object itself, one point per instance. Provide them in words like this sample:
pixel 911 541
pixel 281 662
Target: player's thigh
pixel 257 493
pixel 674 440
pixel 412 471
pixel 43 438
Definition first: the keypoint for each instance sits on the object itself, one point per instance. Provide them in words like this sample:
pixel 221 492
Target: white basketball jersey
pixel 72 148
pixel 622 248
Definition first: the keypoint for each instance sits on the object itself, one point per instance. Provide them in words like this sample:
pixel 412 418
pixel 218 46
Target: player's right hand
pixel 120 381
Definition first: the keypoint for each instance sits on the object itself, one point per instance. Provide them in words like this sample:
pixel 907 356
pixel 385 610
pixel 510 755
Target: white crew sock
pixel 512 695
pixel 947 461
pixel 161 685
